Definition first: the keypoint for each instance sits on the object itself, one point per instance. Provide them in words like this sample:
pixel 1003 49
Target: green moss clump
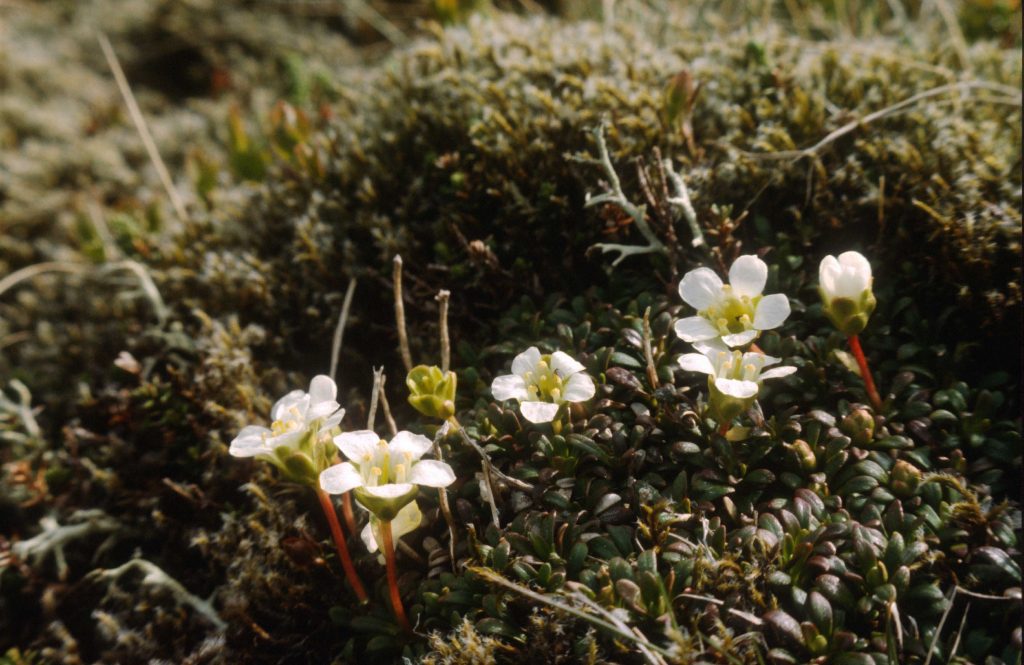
pixel 463 150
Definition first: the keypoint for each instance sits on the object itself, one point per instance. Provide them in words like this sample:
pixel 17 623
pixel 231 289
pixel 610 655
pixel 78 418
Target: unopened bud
pixel 845 288
pixel 431 391
pixel 905 478
pixel 859 425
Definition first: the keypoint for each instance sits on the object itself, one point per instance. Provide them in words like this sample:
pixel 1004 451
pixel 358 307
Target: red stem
pixel 724 428
pixel 388 547
pixel 865 373
pixel 339 542
pixel 346 511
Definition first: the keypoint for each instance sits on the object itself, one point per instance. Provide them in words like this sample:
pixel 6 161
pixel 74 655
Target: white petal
pixel 856 261
pixel 250 442
pixel 700 288
pixel 777 372
pixel 368 537
pixel 289 439
pixel 565 365
pixel 771 312
pixel 579 388
pixel 736 388
pixel 509 386
pixel 827 271
pixel 322 389
pixel 357 445
pixel 711 346
pixel 321 410
pixel 431 473
pixel 389 491
pixel 696 362
pixel 295 398
pixel 739 339
pixel 850 283
pixel 333 420
pixel 748 275
pixel 538 412
pixel 406 521
pixel 340 478
pixel 695 329
pixel 526 361
pixel 407 442
pixel 759 360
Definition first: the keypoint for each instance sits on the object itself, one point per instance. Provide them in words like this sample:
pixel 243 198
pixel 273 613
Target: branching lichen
pixel 54 537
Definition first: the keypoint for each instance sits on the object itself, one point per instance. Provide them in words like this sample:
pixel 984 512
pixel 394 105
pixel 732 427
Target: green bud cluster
pixel 432 391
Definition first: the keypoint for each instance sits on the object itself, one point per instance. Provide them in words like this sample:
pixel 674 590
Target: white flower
pixel 542 383
pixel 845 277
pixel 736 312
pixel 294 416
pixel 383 475
pixel 734 378
pixel 845 286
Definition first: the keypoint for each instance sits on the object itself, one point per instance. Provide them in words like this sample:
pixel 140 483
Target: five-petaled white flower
pixel 734 378
pixel 295 416
pixel 736 312
pixel 845 286
pixel 383 475
pixel 542 383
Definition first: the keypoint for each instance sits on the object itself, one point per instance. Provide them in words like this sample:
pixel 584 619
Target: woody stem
pixel 865 373
pixel 388 547
pixel 339 543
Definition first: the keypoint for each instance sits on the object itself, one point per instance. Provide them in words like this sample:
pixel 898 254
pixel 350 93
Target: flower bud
pixel 845 288
pixel 904 478
pixel 431 391
pixel 859 425
pixel 877 575
pixel 804 455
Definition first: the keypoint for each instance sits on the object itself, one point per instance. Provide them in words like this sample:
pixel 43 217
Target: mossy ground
pixel 309 154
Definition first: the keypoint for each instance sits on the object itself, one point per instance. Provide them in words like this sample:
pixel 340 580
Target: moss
pixel 471 152
pixel 457 153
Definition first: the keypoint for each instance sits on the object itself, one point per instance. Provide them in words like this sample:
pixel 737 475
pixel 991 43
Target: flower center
pixel 543 383
pixel 732 314
pixel 381 468
pixel 290 421
pixel 730 366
